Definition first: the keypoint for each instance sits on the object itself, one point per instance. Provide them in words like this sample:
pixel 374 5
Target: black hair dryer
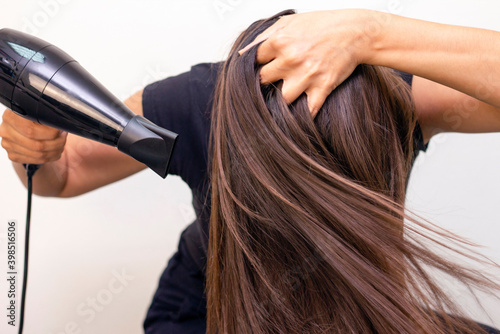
pixel 44 84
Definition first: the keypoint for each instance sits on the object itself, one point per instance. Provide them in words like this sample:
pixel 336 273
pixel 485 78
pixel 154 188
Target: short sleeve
pixel 407 77
pixel 166 103
pixel 182 104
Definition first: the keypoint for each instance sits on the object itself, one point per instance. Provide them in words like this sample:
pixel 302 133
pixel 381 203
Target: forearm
pixel 71 165
pixel 84 165
pixel 462 58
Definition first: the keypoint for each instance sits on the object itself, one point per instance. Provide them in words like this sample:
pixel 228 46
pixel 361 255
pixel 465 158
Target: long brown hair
pixel 307 228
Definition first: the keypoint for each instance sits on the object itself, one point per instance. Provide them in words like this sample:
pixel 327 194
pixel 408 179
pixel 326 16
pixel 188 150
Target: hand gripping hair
pixel 308 231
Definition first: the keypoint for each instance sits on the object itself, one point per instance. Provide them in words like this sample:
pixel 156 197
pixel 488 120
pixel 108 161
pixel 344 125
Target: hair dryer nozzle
pixel 148 143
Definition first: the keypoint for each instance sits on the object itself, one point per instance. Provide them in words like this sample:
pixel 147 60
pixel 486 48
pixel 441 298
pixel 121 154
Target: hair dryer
pixel 44 84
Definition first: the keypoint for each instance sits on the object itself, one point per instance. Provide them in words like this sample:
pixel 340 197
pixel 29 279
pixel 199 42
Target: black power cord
pixel 30 170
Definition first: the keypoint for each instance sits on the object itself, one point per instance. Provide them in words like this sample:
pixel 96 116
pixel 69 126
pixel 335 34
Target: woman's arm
pixel 314 52
pixel 443 109
pixel 70 167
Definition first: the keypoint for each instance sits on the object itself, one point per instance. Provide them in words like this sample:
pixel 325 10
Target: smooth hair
pixel 308 229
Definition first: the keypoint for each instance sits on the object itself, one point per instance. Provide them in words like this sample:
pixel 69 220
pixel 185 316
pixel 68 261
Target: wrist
pixel 363 32
pixel 376 32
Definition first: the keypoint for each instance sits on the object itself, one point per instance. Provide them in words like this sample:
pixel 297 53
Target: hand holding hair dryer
pixel 42 83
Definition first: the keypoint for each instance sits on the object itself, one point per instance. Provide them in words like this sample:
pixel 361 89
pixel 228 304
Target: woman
pixel 307 230
pixel 183 104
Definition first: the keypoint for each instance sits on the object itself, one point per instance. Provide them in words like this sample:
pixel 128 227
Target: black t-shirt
pixel 183 105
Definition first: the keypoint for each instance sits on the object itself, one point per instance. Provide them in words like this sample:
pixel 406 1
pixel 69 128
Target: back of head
pixel 306 231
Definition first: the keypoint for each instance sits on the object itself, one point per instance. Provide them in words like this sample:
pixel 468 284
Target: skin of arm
pixel 71 166
pixel 442 109
pixel 456 69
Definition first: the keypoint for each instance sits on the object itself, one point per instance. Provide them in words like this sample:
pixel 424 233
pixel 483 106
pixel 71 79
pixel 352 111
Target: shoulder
pixel 183 104
pixel 181 94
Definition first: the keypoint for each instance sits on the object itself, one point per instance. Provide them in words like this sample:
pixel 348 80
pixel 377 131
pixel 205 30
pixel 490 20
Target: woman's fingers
pixel 24 150
pixel 265 54
pixel 291 90
pixel 27 128
pixel 311 52
pixel 29 142
pixel 315 99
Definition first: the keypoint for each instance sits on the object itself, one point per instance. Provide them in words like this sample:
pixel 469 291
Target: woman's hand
pixel 315 52
pixel 29 142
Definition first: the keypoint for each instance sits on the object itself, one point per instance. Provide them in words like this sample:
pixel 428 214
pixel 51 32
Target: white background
pixel 80 245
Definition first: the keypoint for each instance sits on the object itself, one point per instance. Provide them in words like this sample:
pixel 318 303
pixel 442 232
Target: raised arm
pixel 314 52
pixel 72 165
